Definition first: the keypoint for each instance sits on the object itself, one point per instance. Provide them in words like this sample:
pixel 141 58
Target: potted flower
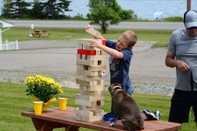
pixel 43 89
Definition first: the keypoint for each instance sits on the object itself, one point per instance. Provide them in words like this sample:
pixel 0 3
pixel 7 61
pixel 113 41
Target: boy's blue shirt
pixel 119 68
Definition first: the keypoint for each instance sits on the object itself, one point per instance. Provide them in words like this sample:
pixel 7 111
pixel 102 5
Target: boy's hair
pixel 130 37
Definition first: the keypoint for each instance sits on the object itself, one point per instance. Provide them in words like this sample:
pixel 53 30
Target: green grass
pixel 161 37
pixel 14 100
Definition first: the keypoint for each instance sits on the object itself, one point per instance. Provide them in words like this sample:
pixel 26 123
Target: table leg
pixel 42 125
pixel 71 128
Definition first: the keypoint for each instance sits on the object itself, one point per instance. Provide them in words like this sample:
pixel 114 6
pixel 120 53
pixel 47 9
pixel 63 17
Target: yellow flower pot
pixel 45 104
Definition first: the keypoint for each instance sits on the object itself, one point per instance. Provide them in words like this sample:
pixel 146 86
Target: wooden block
pixel 93 108
pixel 84 103
pixel 102 73
pixel 91 83
pixel 96 57
pixel 90 51
pixel 86 47
pixel 90 119
pixel 77 96
pixel 87 73
pixel 86 52
pixel 83 113
pixel 93 32
pixel 82 67
pixel 88 78
pixel 100 52
pixel 89 98
pixel 86 83
pixel 85 41
pixel 80 101
pixel 89 114
pixel 88 103
pixel 92 88
pixel 92 93
pixel 84 61
pixel 97 68
pixel 91 68
pixel 85 108
pixel 79 67
pixel 80 46
pixel 84 57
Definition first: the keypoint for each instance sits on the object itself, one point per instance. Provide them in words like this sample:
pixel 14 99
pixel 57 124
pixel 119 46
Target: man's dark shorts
pixel 181 103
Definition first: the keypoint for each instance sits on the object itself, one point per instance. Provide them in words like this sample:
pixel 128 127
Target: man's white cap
pixel 191 19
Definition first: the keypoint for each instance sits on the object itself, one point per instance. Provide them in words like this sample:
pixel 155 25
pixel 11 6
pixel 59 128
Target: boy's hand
pixel 88 27
pixel 95 43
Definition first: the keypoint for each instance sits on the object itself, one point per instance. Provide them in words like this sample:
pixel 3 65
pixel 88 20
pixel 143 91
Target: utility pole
pixel 188 4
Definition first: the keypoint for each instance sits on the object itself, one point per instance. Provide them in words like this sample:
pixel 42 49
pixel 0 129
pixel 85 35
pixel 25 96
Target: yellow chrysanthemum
pixel 43 88
pixel 57 85
pixel 61 91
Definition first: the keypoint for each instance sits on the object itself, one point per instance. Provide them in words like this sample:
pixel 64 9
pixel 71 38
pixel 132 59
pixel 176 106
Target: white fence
pixel 9 45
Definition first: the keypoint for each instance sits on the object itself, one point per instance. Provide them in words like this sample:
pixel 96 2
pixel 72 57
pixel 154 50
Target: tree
pixel 19 8
pixel 103 13
pixel 53 9
pixel 49 9
pixel 6 10
pixel 36 11
pixel 127 15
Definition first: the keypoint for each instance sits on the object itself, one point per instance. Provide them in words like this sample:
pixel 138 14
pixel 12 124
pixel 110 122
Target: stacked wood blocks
pixel 90 69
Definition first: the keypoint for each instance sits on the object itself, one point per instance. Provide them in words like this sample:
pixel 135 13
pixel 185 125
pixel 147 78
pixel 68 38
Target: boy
pixel 119 62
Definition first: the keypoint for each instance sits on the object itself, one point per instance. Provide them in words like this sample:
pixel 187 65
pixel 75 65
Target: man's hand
pixel 182 66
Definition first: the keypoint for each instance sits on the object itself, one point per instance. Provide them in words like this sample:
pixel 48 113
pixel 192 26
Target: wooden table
pixel 36 33
pixel 54 118
pixel 40 33
pixel 44 33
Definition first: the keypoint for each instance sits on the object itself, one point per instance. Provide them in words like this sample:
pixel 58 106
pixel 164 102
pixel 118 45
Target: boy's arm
pixel 110 51
pixel 94 43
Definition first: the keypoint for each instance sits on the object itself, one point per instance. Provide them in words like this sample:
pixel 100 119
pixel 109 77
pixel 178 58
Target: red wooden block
pixel 86 52
pixel 102 41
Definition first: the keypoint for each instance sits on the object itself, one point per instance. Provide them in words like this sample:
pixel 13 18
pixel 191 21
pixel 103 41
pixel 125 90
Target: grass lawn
pixel 21 34
pixel 14 100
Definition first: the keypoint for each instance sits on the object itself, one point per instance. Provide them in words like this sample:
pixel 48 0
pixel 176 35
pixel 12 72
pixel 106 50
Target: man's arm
pixel 171 62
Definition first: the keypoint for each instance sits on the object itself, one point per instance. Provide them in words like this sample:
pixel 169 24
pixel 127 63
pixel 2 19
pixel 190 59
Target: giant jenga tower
pixel 90 69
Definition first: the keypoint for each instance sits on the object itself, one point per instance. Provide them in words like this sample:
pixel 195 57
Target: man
pixel 182 54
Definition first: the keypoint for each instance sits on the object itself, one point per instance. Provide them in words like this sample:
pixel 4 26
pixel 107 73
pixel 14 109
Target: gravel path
pixel 57 59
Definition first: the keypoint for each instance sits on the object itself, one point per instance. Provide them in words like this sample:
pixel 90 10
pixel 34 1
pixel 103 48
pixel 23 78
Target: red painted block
pixel 104 42
pixel 86 52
